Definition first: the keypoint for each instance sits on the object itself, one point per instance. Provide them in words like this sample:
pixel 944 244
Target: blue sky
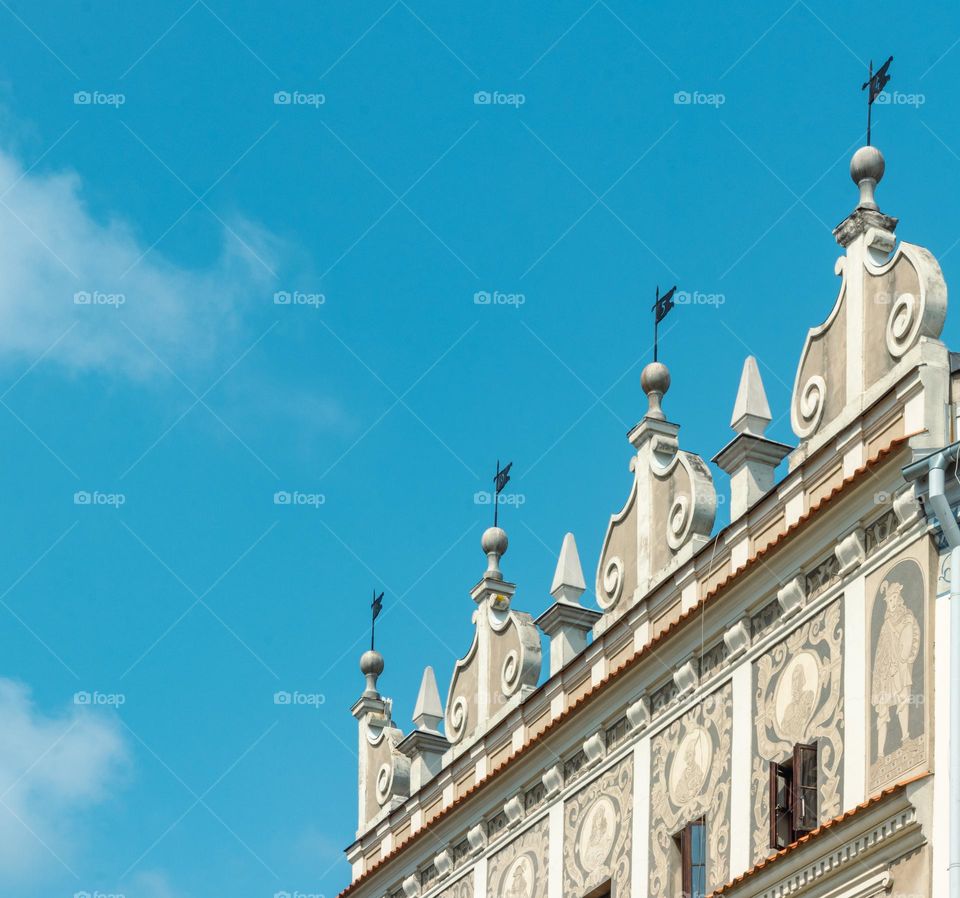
pixel 181 199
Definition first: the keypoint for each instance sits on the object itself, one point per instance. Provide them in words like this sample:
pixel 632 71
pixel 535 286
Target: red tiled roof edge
pixel 805 839
pixel 684 618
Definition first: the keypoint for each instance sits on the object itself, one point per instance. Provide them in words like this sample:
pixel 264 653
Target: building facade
pixel 763 710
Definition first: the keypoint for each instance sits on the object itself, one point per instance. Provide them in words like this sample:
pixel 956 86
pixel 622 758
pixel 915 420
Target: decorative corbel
pixel 595 747
pixel 553 780
pixel 477 837
pixel 411 886
pixel 444 863
pixel 514 810
pixel 639 713
pixel 850 551
pixel 737 638
pixel 792 596
pixel 906 508
pixel 685 676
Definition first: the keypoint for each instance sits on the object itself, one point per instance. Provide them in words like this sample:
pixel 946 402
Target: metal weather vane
pixel 876 81
pixel 500 480
pixel 375 608
pixel 660 309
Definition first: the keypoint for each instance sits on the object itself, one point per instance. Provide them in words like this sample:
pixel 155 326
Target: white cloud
pixel 52 248
pixel 52 769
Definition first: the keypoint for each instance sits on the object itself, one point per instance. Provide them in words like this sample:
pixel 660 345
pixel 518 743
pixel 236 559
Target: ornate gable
pixel 889 302
pixel 503 663
pixel 667 516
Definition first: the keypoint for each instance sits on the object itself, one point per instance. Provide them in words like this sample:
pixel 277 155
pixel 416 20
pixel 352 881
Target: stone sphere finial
pixel 371 666
pixel 655 381
pixel 866 170
pixel 494 543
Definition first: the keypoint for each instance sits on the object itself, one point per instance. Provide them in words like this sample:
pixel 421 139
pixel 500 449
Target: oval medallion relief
pixel 598 828
pixel 690 766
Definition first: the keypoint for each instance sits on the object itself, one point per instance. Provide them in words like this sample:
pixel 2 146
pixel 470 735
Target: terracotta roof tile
pixel 632 659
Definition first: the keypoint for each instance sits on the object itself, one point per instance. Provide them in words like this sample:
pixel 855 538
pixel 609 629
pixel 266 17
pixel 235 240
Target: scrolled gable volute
pixel 503 663
pixel 890 300
pixel 668 514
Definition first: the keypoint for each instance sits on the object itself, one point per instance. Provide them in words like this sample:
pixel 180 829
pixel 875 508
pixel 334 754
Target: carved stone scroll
pixel 668 515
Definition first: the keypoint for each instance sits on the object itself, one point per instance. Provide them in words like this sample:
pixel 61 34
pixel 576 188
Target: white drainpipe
pixel 948 523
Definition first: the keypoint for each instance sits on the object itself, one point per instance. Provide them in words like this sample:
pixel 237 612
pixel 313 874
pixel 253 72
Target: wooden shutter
pixel 781 810
pixel 686 861
pixel 805 793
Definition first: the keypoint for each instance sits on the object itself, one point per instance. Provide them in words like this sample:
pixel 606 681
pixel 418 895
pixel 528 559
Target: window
pixel 693 858
pixel 793 796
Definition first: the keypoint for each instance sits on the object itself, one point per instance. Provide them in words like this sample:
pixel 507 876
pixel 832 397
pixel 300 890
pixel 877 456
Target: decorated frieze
pixel 798 698
pixel 462 888
pixel 690 780
pixel 597 834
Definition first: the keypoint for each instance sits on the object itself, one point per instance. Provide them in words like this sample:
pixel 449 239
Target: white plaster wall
pixel 480 878
pixel 740 787
pixel 639 885
pixel 941 744
pixel 854 694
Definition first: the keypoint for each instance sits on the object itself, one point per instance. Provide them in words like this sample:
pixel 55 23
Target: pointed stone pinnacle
pixel 428 712
pixel 568 584
pixel 751 412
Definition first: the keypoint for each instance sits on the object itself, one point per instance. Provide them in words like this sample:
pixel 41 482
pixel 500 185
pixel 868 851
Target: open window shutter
pixel 805 770
pixel 774 777
pixel 781 812
pixel 686 861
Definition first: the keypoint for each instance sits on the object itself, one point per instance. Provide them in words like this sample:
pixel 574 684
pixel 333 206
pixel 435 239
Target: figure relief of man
pixel 897 649
pixel 797 712
pixel 692 777
pixel 519 887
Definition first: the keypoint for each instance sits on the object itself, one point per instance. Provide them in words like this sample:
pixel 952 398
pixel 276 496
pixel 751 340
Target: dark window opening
pixel 693 859
pixel 793 796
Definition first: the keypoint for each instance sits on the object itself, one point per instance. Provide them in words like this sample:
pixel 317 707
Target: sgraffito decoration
pixel 690 779
pixel 463 888
pixel 799 699
pixel 597 834
pixel 897 613
pixel 520 869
